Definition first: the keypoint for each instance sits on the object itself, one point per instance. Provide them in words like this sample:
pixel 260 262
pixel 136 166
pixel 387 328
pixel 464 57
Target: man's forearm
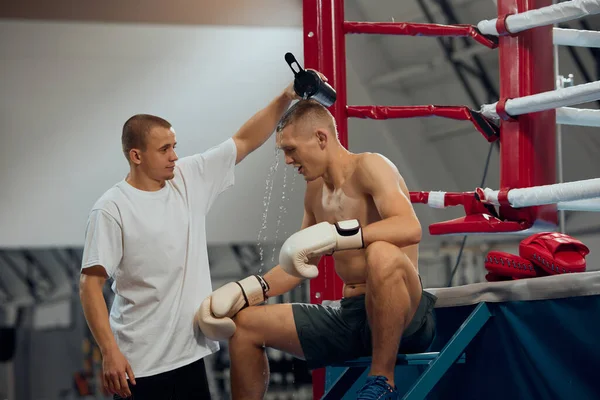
pixel 401 231
pixel 260 127
pixel 96 314
pixel 280 282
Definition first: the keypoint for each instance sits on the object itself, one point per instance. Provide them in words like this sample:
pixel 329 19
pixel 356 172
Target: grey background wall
pixel 72 73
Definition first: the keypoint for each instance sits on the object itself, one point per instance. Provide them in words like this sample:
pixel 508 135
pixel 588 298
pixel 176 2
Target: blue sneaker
pixel 377 388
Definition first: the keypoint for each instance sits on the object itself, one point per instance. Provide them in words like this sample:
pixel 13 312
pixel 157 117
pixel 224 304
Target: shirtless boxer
pixel 357 207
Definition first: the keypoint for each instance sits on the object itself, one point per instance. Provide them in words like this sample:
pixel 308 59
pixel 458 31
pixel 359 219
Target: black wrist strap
pixel 264 285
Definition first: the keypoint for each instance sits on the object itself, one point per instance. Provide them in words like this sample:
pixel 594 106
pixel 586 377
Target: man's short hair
pixel 305 109
pixel 136 130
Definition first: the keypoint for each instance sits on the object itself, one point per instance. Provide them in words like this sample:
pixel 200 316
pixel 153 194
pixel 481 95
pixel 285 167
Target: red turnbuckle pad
pixel 477 223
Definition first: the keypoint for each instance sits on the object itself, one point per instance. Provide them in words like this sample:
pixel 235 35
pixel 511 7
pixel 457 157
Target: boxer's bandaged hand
pixel 317 240
pixel 215 312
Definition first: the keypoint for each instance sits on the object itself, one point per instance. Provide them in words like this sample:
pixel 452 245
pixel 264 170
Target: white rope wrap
pixel 575 37
pixel 577 116
pixel 548 194
pixel 489 111
pixel 547 100
pixel 436 199
pixel 554 14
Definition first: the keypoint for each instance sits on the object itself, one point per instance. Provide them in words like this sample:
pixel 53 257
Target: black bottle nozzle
pixel 309 85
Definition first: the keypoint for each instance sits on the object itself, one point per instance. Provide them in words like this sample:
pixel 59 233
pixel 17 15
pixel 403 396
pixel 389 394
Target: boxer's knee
pixel 246 329
pixel 387 261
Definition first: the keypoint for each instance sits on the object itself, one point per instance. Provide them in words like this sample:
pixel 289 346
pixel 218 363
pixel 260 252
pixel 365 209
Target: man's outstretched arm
pixel 399 224
pixel 259 128
pixel 261 125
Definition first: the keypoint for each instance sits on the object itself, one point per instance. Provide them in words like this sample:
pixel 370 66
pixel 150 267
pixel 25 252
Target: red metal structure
pixel 528 144
pixel 526 67
pixel 325 51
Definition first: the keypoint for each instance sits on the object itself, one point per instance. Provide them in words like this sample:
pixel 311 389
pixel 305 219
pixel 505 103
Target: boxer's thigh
pixel 385 258
pixel 328 335
pixel 270 325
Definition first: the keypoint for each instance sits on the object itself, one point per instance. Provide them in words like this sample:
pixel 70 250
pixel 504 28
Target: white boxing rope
pixel 436 199
pixel 577 116
pixel 547 194
pixel 554 14
pixel 575 37
pixel 546 100
pixel 579 205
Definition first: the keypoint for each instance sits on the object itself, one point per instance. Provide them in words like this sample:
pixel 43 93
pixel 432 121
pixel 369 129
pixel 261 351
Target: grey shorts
pixel 331 335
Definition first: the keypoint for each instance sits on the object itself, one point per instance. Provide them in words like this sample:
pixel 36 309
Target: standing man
pixel 148 233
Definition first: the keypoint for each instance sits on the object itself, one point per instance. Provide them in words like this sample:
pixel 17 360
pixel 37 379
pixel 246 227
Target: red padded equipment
pixel 511 266
pixel 554 252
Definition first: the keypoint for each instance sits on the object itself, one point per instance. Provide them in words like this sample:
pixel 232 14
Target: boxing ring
pixel 511 338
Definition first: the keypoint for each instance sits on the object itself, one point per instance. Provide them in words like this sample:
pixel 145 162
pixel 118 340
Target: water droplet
pixel 262 236
pixel 281 213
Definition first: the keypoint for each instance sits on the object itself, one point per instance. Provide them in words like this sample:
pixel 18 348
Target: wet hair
pixel 136 130
pixel 306 110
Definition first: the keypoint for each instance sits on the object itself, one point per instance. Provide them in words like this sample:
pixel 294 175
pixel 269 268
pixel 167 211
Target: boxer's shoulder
pixel 368 159
pixel 370 164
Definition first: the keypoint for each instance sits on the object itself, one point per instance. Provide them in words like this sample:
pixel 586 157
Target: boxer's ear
pixel 322 138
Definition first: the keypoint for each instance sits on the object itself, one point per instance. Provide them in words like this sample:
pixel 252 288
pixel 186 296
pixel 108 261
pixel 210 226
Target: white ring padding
pixel 436 199
pixel 542 288
pixel 579 205
pixel 578 116
pixel 547 194
pixel 575 37
pixel 564 115
pixel 550 15
pixel 553 99
pixel 546 100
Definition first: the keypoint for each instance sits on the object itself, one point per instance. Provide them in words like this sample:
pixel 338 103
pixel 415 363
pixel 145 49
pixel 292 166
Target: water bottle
pixel 309 85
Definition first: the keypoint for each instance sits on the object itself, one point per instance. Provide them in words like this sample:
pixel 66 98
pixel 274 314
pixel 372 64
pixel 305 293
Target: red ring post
pixel 325 51
pixel 527 144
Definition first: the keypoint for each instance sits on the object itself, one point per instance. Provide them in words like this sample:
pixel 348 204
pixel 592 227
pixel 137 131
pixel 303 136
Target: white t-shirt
pixel 154 246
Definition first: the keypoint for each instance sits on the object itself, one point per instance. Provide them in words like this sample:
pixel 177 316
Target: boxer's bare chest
pixel 343 203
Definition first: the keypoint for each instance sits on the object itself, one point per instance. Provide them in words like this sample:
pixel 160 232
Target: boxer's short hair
pixel 306 110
